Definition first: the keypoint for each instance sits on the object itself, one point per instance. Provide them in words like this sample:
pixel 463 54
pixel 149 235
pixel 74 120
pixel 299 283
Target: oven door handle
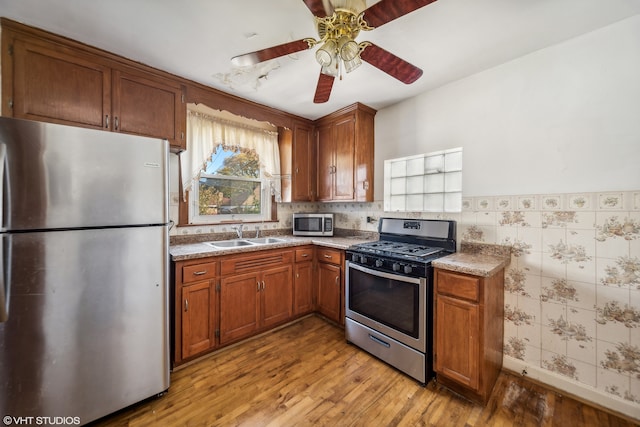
pixel 399 277
pixel 379 341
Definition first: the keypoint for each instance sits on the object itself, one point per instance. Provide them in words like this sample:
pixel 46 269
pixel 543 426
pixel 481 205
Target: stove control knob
pixel 379 263
pixel 363 259
pixel 407 269
pixel 396 266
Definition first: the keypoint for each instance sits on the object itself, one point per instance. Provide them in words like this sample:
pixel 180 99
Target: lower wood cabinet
pixel 198 317
pixel 195 308
pixel 256 292
pixel 224 299
pixel 468 332
pixel 330 284
pixel 304 281
pixel 253 301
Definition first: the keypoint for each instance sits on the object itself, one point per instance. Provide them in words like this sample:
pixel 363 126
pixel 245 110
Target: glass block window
pixel 429 182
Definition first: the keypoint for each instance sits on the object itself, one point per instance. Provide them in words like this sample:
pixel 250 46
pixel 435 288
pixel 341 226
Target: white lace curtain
pixel 205 133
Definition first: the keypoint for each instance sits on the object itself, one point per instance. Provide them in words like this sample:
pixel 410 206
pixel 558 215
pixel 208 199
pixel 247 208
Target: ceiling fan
pixel 338 23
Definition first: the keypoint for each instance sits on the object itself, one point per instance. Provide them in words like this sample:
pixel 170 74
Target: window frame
pixel 265 202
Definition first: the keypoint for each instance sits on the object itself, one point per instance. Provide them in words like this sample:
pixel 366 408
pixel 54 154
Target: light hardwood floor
pixel 305 374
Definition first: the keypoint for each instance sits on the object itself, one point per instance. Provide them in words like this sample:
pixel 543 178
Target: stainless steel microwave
pixel 313 224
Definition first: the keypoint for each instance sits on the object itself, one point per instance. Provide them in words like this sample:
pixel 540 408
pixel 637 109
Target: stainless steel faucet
pixel 238 229
pixel 257 231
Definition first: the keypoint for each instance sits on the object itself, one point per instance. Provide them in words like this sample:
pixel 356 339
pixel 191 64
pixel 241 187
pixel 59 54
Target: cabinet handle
pixel 263 285
pixel 186 305
pixel 305 255
pixel 116 122
pixel 328 256
pixel 337 278
pixel 200 273
pixel 297 276
pixel 257 286
pixel 106 121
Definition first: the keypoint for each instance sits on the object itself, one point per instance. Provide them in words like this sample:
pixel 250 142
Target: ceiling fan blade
pixel 320 8
pixel 391 64
pixel 272 52
pixel 323 90
pixel 387 10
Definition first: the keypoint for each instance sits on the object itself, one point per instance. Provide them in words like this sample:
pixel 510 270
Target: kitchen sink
pixel 266 240
pixel 230 243
pixel 238 243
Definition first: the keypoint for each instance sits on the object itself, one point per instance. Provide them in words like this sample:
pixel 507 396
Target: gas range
pixel 389 292
pixel 406 247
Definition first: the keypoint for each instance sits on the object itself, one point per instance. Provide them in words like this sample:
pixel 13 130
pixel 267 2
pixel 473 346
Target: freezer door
pixel 57 176
pixel 87 327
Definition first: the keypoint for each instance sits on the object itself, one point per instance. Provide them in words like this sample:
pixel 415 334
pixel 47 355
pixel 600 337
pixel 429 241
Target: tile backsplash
pixel 572 290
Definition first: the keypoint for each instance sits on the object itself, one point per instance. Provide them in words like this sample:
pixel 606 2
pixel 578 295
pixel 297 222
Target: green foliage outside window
pixel 231 183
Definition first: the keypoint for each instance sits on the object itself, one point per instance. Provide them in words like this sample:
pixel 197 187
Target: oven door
pixel 391 304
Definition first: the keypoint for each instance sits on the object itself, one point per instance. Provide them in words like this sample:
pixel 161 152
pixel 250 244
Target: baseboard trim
pixel 581 392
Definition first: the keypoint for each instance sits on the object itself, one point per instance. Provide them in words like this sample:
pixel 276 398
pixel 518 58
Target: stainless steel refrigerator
pixel 84 271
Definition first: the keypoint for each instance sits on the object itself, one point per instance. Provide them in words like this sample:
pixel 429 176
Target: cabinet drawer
pixel 192 273
pixel 332 256
pixel 458 285
pixel 304 254
pixel 255 262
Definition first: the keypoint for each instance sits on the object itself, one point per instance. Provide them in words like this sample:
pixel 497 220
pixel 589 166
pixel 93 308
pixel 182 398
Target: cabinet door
pixel 277 295
pixel 303 164
pixel 52 85
pixel 345 138
pixel 329 290
pixel 198 317
pixel 146 107
pixel 303 288
pixel 239 307
pixel 457 340
pixel 325 152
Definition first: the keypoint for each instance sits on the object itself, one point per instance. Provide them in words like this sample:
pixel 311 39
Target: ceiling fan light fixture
pixel 352 64
pixel 326 54
pixel 330 70
pixel 348 48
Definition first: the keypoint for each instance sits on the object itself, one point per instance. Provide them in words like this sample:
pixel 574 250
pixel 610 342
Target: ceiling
pixel 195 39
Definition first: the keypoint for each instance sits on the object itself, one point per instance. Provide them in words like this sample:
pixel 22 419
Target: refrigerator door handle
pixel 4 184
pixel 4 281
pixel 4 277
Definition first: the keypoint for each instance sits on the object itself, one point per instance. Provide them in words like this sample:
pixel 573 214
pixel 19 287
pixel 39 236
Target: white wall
pixel 562 119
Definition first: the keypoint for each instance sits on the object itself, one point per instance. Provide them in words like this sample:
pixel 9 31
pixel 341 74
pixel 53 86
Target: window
pixel 230 170
pixel 424 183
pixel 230 183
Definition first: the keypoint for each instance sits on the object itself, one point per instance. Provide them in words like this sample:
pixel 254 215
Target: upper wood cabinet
pixel 53 84
pixel 297 162
pixel 48 78
pixel 345 146
pixel 303 168
pixel 149 106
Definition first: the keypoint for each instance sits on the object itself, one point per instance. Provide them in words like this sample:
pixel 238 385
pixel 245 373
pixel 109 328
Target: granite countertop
pixel 181 252
pixel 476 259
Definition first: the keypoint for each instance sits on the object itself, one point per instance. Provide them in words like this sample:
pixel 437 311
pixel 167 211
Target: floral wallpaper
pixel 572 290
